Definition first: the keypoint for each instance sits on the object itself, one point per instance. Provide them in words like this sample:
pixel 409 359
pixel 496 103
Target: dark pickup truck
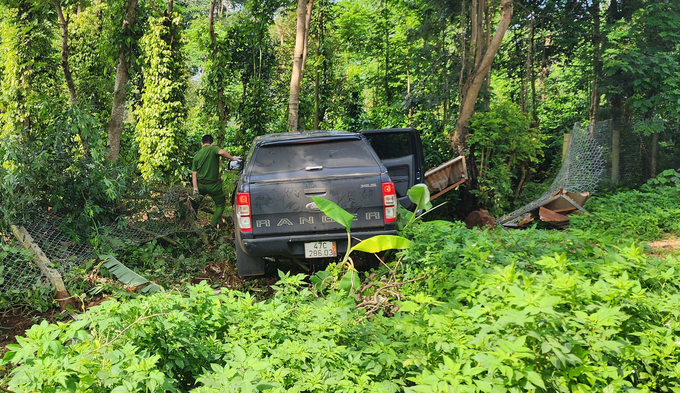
pixel 364 173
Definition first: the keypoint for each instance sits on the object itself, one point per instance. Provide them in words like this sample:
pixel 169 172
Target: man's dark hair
pixel 207 139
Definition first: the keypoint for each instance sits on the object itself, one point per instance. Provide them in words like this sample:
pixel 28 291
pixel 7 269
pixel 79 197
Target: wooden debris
pixel 553 210
pixel 556 219
pixel 446 176
pixel 40 259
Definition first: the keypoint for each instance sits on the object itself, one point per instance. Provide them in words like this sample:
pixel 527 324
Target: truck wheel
pixel 247 265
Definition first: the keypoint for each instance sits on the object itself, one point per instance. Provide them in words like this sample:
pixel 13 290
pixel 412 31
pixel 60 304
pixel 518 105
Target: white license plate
pixel 320 250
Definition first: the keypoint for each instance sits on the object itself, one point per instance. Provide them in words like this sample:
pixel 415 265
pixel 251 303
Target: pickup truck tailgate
pixel 285 207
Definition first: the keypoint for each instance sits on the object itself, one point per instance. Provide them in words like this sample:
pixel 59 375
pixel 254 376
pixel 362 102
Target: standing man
pixel 206 178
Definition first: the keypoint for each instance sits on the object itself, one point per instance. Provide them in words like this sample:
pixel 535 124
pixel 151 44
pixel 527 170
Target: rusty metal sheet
pixel 446 176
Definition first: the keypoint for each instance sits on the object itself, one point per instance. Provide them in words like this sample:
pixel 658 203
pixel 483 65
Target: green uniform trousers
pixel 217 194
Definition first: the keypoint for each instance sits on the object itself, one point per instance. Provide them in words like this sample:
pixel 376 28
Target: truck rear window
pixel 392 145
pixel 299 157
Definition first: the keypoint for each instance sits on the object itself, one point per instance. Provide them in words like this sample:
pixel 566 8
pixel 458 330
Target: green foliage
pixel 504 145
pixel 92 53
pixel 534 310
pixel 53 171
pixel 669 177
pixel 373 244
pixel 641 60
pixel 160 128
pixel 538 310
pixel 334 212
pixel 29 88
pixel 637 214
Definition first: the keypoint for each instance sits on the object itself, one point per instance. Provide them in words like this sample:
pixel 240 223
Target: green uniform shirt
pixel 207 164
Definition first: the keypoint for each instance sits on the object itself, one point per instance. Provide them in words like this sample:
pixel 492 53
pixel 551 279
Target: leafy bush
pixel 505 150
pixel 51 170
pixel 643 214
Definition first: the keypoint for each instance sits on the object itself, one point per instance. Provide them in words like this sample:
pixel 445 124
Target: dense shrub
pixel 581 310
pixel 642 214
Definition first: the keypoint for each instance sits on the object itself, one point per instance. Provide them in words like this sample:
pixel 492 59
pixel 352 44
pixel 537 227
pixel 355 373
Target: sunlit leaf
pixel 382 243
pixel 335 212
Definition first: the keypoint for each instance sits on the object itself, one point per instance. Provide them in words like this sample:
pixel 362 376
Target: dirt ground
pixel 15 322
pixel 668 244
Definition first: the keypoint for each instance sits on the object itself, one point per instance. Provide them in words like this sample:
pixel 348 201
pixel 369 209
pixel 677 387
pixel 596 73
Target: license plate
pixel 320 250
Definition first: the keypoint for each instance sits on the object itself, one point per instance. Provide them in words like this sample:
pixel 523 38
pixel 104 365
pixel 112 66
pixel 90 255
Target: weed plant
pixel 580 310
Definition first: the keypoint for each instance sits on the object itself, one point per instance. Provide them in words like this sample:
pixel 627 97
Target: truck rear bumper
pixel 294 246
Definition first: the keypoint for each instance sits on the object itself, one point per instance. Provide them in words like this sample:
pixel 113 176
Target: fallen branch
pixel 40 259
pixel 382 302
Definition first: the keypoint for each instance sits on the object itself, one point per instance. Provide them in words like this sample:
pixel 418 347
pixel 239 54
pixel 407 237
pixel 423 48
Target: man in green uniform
pixel 206 178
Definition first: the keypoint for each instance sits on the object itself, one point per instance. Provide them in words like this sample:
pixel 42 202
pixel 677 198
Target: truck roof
pixel 304 136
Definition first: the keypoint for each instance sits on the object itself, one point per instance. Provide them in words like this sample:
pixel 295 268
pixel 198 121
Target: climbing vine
pixel 162 112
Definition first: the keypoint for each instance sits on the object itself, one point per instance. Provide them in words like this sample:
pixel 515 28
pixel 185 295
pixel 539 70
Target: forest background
pixel 101 99
pixel 98 94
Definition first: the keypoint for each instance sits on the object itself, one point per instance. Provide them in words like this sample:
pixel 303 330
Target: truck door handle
pixel 314 168
pixel 315 191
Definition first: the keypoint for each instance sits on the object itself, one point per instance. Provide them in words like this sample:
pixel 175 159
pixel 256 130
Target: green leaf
pixel 350 281
pixel 128 276
pixel 335 212
pixel 535 378
pixel 382 243
pixel 420 195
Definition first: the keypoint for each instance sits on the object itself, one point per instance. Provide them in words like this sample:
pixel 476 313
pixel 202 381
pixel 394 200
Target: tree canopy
pixel 130 85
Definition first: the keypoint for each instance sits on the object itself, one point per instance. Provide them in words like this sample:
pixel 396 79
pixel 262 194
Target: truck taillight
pixel 389 202
pixel 243 216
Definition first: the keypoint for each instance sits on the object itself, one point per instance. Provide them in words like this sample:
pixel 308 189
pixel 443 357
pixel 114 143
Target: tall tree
pixel 30 91
pixel 298 65
pixel 218 69
pixel 597 66
pixel 63 23
pixel 115 128
pixel 477 76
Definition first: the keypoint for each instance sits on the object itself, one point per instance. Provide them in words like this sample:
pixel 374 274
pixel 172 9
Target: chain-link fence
pixel 582 170
pixel 144 216
pixel 629 152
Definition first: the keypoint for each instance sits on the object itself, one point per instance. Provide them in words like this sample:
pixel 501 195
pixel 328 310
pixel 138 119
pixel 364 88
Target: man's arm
pixel 224 154
pixel 194 180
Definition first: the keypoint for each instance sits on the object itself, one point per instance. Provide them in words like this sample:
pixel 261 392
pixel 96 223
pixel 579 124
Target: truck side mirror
pixel 236 165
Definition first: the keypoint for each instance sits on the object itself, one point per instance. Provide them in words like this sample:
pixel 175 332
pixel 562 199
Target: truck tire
pixel 245 264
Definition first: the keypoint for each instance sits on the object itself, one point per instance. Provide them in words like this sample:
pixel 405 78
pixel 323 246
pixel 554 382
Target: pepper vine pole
pixel 476 78
pixel 115 127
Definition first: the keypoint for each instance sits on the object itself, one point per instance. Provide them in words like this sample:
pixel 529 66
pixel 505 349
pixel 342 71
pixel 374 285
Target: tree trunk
pixel 296 77
pixel 463 50
pixel 221 106
pixel 44 264
pixel 655 155
pixel 308 21
pixel 476 78
pixel 317 78
pixel 386 81
pixel 597 68
pixel 63 23
pixel 115 129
